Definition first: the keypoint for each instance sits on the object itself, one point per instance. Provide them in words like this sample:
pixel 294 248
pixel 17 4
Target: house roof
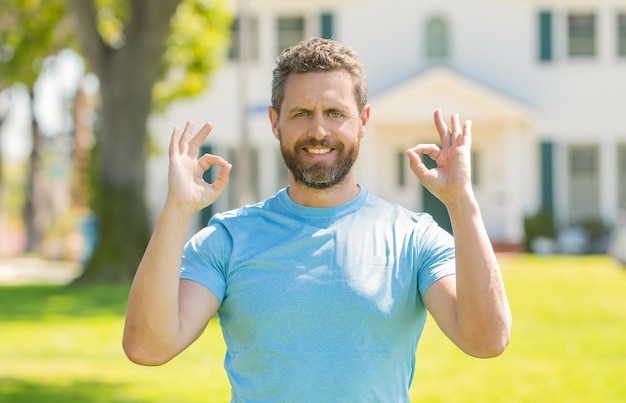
pixel 414 100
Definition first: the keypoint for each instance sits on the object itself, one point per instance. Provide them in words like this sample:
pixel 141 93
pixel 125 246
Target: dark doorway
pixel 432 205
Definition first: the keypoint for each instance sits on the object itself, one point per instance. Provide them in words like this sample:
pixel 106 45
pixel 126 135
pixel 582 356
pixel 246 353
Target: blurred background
pixel 90 91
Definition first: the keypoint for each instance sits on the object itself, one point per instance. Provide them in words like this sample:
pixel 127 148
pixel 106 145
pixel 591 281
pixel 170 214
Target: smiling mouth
pixel 324 150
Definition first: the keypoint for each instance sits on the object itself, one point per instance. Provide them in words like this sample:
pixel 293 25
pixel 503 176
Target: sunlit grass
pixel 568 342
pixel 63 344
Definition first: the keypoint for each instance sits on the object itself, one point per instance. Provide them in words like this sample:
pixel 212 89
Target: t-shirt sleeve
pixel 436 253
pixel 205 259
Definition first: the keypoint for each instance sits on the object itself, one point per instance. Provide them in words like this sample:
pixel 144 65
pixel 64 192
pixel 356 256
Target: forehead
pixel 328 87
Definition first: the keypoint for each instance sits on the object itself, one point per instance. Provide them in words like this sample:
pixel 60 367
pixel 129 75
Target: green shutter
pixel 547 176
pixel 545 36
pixel 326 21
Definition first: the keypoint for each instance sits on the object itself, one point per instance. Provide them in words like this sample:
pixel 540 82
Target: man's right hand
pixel 187 190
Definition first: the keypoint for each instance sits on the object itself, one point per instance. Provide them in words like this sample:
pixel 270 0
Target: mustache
pixel 317 143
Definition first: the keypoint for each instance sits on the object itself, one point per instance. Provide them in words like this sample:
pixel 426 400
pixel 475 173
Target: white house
pixel 542 81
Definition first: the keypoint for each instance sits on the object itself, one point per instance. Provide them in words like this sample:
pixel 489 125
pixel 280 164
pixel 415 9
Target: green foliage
pixel 30 30
pixel 540 224
pixel 199 37
pixel 196 46
pixel 111 16
pixel 63 344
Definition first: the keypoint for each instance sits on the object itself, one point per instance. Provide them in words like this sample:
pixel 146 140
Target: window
pixel 581 34
pixel 584 190
pixel 290 32
pixel 621 34
pixel 436 38
pixel 545 36
pixel 327 30
pixel 583 160
pixel 253 42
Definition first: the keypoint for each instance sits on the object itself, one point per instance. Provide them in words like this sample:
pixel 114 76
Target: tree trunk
pixel 35 213
pixel 126 79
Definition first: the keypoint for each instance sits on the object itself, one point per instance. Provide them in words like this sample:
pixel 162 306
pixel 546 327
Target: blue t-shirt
pixel 320 304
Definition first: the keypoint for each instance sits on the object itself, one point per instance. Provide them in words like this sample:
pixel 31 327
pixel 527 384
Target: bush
pixel 540 224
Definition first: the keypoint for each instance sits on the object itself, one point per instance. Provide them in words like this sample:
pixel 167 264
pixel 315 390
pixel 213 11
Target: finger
pixel 442 129
pixel 184 139
pixel 208 160
pixel 174 141
pixel 432 150
pixel 196 141
pixel 222 177
pixel 416 163
pixel 467 133
pixel 221 180
pixel 456 132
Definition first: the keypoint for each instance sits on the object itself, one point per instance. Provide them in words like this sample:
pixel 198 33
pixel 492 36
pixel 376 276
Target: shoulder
pixel 396 210
pixel 249 211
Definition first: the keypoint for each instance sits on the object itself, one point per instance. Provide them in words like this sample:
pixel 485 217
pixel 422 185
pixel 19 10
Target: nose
pixel 317 128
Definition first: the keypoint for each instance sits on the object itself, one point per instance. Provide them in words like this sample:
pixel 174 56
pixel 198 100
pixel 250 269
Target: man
pixel 322 289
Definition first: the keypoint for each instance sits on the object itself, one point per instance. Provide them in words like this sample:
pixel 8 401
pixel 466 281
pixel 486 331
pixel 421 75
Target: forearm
pixel 483 314
pixel 152 326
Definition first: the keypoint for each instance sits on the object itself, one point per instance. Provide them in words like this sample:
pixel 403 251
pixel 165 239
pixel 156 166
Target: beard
pixel 320 175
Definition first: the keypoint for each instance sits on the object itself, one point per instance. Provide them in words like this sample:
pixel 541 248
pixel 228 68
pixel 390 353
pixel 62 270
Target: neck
pixel 330 197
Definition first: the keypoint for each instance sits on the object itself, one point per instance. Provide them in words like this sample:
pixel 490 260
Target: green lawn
pixel 62 344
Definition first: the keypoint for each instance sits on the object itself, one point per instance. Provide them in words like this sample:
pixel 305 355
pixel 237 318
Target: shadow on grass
pixel 21 391
pixel 38 302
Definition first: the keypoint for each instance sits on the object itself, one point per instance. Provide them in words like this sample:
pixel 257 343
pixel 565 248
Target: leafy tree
pixel 29 31
pixel 130 45
pixel 145 54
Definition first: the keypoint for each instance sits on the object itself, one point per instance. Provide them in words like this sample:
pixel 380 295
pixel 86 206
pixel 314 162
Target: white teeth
pixel 318 150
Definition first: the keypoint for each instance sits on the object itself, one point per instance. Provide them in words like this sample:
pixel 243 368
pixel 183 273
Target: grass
pixel 62 344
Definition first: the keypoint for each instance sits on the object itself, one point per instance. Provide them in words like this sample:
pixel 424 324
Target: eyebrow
pixel 299 108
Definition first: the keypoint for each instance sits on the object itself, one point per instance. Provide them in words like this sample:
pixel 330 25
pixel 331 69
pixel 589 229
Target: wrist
pixel 177 210
pixel 461 200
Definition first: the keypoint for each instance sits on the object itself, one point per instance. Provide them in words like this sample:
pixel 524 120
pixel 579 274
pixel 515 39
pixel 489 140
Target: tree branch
pixel 93 46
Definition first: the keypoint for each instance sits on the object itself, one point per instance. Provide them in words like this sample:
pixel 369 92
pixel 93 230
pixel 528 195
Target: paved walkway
pixel 34 270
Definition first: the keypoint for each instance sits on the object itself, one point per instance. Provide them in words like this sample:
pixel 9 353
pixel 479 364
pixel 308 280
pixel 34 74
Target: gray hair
pixel 318 55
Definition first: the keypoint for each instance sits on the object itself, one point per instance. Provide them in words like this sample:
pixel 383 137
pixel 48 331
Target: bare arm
pixel 471 308
pixel 164 314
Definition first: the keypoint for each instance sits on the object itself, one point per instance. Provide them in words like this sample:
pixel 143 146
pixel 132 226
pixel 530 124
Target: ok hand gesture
pixel 187 189
pixel 450 181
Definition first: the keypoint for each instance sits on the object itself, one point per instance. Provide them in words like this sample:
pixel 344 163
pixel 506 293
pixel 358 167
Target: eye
pixel 335 114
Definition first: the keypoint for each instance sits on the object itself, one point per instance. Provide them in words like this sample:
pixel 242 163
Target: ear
pixel 273 115
pixel 365 117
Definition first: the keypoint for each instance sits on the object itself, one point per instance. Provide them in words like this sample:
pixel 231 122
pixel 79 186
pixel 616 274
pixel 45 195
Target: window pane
pixel 583 160
pixel 545 36
pixel 584 190
pixel 581 35
pixel 621 34
pixel 436 38
pixel 327 26
pixel 290 32
pixel 233 52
